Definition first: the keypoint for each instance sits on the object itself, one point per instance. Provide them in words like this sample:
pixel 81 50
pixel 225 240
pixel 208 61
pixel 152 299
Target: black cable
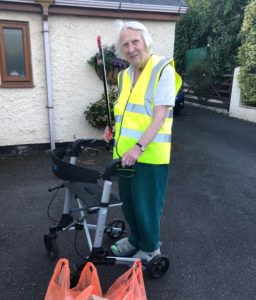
pixel 49 206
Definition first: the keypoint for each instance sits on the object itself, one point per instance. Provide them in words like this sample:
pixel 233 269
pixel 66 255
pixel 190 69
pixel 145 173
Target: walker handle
pixel 111 170
pixel 115 168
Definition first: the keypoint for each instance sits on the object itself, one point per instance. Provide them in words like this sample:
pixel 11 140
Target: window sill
pixel 17 85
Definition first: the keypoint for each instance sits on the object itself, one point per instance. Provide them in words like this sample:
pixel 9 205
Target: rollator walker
pixel 83 184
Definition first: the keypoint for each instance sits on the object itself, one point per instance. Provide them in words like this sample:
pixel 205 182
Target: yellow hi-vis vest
pixel 134 111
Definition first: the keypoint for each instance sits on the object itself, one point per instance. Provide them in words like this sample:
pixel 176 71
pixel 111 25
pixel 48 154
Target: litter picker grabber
pixel 101 51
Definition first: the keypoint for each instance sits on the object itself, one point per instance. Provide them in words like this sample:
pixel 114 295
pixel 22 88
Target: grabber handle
pixel 99 41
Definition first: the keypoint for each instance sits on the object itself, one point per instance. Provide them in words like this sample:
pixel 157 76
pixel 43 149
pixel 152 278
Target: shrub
pixel 96 113
pixel 200 80
pixel 247 56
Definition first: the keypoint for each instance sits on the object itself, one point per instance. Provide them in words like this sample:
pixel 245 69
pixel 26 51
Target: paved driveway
pixel 208 227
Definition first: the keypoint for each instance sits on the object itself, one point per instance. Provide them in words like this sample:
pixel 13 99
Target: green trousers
pixel 143 198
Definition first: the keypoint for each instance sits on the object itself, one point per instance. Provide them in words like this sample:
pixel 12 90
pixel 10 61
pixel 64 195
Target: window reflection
pixel 14 52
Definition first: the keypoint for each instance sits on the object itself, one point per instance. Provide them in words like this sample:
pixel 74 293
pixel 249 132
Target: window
pixel 15 55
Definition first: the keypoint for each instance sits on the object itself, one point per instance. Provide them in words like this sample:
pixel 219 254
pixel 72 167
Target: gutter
pixel 20 1
pixel 122 6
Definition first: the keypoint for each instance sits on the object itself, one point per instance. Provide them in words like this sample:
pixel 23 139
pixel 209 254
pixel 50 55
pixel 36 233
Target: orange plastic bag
pixel 59 286
pixel 129 286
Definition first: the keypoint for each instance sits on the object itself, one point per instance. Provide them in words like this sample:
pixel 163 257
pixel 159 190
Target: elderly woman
pixel 143 122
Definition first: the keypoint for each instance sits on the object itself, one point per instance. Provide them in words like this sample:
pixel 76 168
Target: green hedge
pixel 247 56
pixel 215 23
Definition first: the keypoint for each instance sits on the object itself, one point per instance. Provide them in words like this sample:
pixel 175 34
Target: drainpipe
pixel 45 6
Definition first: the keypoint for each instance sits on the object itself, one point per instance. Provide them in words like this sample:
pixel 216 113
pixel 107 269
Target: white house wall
pixel 24 116
pixel 23 113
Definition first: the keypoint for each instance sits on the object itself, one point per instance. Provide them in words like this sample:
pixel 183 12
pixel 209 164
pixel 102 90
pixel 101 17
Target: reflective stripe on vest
pixel 159 138
pixel 152 80
pixel 120 81
pixel 118 118
pixel 140 109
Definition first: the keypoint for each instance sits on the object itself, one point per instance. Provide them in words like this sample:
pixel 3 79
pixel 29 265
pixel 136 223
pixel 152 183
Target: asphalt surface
pixel 208 226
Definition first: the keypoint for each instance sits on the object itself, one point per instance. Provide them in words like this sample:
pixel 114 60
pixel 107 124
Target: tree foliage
pixel 215 23
pixel 247 56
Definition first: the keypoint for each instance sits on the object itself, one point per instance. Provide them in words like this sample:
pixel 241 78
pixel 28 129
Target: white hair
pixel 134 25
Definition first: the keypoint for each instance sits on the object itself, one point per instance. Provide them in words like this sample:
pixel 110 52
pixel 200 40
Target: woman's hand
pixel 130 157
pixel 108 134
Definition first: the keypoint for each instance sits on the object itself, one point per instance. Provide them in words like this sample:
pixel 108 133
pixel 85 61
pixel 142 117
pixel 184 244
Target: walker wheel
pixel 51 246
pixel 157 266
pixel 116 223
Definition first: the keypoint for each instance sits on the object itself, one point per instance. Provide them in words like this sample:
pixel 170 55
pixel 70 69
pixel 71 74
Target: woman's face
pixel 134 48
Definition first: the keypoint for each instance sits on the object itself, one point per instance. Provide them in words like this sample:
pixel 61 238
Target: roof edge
pixel 123 6
pixel 108 5
pixel 20 1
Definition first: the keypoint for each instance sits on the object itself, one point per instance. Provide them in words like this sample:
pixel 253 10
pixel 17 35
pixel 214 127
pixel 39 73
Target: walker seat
pixel 89 193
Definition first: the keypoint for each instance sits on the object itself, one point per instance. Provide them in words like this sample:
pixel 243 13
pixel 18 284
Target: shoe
pixel 143 255
pixel 123 248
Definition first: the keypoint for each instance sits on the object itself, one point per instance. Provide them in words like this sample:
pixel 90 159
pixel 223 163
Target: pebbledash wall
pixel 23 111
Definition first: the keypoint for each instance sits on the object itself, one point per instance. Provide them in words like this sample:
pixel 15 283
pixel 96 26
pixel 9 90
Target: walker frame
pixel 82 183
